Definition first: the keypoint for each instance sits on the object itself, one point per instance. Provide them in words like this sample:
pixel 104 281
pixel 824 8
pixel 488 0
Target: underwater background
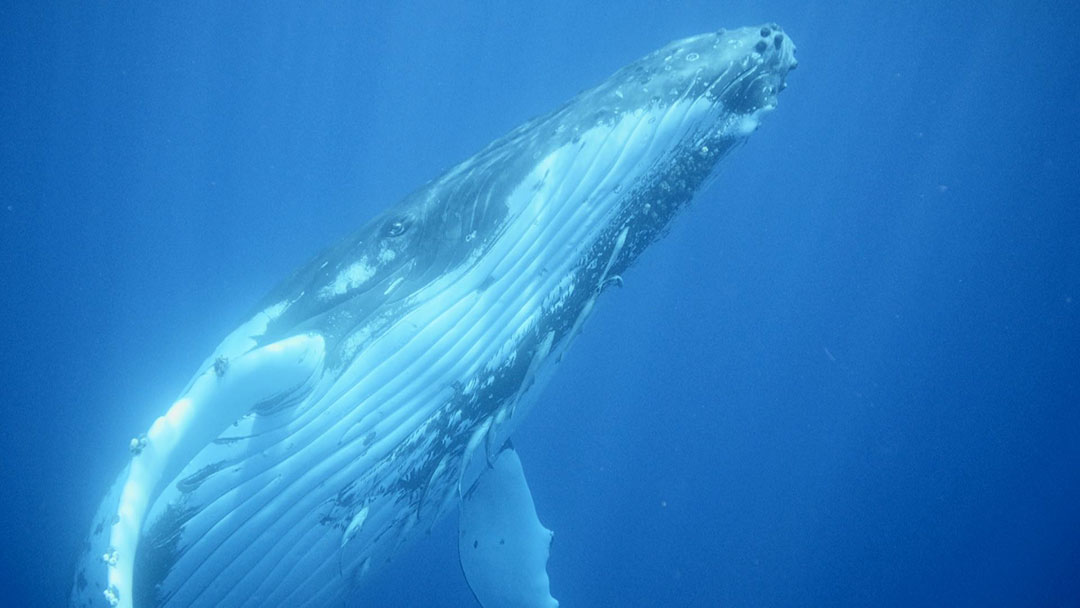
pixel 850 375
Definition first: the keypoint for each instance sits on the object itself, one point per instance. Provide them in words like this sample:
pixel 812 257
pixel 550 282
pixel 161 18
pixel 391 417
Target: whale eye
pixel 397 226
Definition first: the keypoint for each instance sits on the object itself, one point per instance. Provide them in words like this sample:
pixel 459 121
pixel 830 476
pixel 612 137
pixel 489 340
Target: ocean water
pixel 849 376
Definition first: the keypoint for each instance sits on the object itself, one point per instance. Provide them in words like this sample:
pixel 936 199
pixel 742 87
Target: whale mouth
pixel 762 72
pixel 778 53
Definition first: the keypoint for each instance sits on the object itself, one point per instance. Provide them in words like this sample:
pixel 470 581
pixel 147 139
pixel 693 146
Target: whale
pixel 376 390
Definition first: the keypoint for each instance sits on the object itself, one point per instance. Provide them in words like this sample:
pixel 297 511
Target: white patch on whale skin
pixel 354 526
pixel 393 285
pixel 386 255
pixel 743 125
pixel 353 276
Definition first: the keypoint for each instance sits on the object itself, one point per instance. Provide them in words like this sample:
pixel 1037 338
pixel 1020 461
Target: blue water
pixel 850 376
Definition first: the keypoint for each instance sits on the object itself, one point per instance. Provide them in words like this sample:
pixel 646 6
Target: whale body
pixel 376 390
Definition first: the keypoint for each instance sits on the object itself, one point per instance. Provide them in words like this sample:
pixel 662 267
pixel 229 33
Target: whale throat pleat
pixel 250 515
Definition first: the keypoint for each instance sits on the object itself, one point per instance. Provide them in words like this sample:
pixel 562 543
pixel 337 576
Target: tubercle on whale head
pixel 741 69
pixel 769 55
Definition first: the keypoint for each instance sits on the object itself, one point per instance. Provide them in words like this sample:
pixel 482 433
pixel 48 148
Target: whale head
pixel 633 149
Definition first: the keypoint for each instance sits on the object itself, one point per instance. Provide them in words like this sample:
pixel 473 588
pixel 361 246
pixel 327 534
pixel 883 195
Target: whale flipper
pixel 224 392
pixel 502 545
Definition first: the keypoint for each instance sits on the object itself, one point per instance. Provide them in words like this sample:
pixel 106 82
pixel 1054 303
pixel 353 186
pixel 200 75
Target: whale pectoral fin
pixel 502 545
pixel 263 378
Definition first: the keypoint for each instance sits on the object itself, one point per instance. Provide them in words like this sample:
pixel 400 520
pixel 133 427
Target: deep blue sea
pixel 849 376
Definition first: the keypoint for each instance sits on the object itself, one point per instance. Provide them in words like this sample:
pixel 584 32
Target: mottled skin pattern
pixel 442 229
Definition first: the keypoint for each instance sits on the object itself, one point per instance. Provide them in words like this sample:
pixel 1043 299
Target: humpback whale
pixel 376 390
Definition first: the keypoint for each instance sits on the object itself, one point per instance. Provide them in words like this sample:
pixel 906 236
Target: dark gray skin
pixel 440 231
